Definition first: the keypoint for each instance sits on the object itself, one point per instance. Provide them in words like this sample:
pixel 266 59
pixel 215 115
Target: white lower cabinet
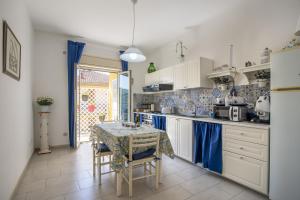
pixel 185 139
pixel 181 136
pixel 246 156
pixel 247 171
pixel 171 127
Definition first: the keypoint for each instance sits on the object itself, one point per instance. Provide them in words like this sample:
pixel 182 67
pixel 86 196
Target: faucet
pixel 195 111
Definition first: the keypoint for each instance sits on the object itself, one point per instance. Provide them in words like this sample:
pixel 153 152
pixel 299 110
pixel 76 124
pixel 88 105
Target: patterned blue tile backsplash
pixel 184 101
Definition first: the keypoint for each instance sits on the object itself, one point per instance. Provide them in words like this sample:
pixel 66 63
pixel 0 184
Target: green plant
pixel 262 75
pixel 45 101
pixel 222 80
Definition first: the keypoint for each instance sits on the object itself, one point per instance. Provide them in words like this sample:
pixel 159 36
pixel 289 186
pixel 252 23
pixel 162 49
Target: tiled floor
pixel 67 175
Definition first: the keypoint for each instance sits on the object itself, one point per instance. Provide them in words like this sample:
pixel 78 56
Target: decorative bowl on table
pixel 130 125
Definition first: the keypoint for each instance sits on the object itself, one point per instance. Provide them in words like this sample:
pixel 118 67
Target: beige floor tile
pixel 230 187
pixel 86 194
pixel 174 193
pixel 202 183
pixel 30 187
pixel 166 182
pixel 140 190
pixel 46 173
pixel 67 174
pixel 249 195
pixel 60 181
pixel 211 194
pixel 191 173
pixel 53 192
pixel 20 197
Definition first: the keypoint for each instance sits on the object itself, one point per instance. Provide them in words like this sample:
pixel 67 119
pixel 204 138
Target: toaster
pixel 238 113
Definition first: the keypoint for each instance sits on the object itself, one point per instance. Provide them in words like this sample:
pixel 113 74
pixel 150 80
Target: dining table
pixel 116 137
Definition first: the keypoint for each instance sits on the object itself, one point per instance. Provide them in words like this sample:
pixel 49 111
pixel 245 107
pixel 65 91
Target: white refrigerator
pixel 285 126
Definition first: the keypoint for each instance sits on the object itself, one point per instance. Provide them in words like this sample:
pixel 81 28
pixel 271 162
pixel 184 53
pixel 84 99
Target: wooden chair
pixel 100 150
pixel 149 142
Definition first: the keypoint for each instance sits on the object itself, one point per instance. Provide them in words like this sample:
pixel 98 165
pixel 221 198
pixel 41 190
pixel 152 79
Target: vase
pixel 44 109
pixel 151 68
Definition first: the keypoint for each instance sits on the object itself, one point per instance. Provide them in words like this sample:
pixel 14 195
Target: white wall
pixel 50 79
pixel 251 27
pixel 16 119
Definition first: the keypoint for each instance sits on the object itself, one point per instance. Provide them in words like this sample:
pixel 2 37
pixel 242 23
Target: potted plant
pixel 44 102
pixel 262 78
pixel 102 117
pixel 222 82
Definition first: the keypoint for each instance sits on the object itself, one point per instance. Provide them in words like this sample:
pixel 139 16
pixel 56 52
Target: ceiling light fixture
pixel 133 54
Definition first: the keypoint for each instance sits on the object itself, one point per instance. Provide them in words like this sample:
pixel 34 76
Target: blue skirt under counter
pixel 159 122
pixel 208 145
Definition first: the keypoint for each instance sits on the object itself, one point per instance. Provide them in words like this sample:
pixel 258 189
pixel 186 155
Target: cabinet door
pixel 247 171
pixel 172 133
pixel 166 75
pixel 193 74
pixel 180 77
pixel 152 78
pixel 185 139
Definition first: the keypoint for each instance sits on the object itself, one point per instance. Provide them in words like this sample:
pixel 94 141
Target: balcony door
pixel 124 96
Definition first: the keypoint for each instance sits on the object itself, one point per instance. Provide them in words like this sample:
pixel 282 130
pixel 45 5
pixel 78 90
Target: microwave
pixel 221 112
pixel 232 113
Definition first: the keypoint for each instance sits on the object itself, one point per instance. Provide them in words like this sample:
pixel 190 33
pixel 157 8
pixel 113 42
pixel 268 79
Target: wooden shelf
pixel 254 68
pixel 250 71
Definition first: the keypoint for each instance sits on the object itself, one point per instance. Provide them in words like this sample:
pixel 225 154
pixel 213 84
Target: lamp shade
pixel 297 33
pixel 133 54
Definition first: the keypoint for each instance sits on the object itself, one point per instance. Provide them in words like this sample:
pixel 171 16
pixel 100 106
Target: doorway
pixel 101 95
pixel 97 99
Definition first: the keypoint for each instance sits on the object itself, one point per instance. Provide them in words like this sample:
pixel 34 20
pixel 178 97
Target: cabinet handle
pixel 241 157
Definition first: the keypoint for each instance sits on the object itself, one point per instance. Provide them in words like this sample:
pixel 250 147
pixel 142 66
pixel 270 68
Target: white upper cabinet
pixel 190 74
pixel 166 75
pixel 180 77
pixel 152 78
pixel 193 74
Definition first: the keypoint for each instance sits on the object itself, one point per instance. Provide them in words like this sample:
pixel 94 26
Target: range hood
pixel 158 87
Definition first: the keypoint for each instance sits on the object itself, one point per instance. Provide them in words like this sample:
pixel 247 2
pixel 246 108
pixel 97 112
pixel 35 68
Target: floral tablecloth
pixel 115 136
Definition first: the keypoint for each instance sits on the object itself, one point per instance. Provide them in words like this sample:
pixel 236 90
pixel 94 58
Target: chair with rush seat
pixel 100 150
pixel 149 142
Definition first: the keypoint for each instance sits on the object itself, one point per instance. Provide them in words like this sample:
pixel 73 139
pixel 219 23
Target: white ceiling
pixel 110 21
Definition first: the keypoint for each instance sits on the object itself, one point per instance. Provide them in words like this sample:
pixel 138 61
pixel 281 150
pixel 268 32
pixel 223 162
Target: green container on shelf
pixel 151 68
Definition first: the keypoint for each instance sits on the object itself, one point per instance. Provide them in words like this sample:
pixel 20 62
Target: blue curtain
pixel 208 145
pixel 124 64
pixel 75 50
pixel 159 122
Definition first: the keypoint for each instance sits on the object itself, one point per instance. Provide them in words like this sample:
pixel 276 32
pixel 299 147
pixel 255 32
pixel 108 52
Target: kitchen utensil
pixel 262 108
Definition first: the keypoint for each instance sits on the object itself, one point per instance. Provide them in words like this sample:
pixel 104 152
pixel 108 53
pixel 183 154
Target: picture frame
pixel 11 53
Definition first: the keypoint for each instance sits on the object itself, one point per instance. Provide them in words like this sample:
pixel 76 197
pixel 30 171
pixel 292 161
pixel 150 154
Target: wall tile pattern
pixel 184 101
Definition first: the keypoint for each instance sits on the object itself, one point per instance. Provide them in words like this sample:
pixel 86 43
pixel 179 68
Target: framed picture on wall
pixel 11 53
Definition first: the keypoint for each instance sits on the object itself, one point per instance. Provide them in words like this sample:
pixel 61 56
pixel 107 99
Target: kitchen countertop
pixel 211 120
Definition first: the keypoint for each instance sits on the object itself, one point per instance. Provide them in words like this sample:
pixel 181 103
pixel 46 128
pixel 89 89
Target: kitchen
pixel 226 128
pixel 150 99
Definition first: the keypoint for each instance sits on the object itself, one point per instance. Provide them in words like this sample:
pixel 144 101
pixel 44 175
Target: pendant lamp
pixel 133 54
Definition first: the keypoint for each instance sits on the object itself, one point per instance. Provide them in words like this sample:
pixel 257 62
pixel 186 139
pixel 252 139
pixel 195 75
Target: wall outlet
pixel 65 134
